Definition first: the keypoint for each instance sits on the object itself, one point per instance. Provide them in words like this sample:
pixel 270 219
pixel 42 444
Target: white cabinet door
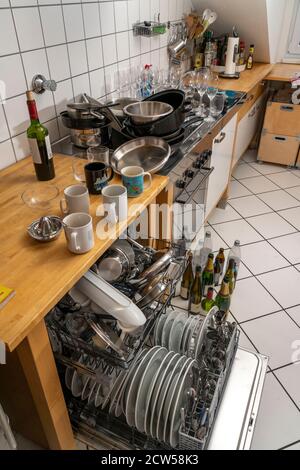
pixel 221 162
pixel 247 128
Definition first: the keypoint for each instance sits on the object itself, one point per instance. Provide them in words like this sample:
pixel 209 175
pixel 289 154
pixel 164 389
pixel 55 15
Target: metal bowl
pixel 150 153
pixel 147 111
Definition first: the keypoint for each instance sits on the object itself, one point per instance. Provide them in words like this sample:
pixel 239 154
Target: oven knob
pixel 198 164
pixel 180 184
pixel 189 174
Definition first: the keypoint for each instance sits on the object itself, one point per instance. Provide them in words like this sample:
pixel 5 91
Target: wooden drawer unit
pixel 282 119
pixel 280 149
pixel 252 97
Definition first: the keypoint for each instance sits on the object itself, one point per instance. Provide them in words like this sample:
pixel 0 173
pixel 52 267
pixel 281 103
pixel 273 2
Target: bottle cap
pixel 237 243
pixel 30 96
pixel 208 234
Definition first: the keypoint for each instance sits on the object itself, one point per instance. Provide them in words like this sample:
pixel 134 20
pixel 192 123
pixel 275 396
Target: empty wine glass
pixel 217 105
pixel 201 82
pixel 212 91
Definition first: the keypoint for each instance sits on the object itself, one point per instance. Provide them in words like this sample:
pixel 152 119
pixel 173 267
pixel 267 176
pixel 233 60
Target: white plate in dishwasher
pixel 115 390
pixel 167 328
pixel 185 335
pixel 159 329
pixel 145 383
pixel 166 372
pixel 177 332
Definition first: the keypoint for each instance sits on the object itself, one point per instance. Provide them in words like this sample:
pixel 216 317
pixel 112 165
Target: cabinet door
pixel 221 162
pixel 247 128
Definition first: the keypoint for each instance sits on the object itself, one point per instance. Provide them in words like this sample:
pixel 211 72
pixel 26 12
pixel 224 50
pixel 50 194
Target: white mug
pixel 76 200
pixel 79 233
pixel 115 199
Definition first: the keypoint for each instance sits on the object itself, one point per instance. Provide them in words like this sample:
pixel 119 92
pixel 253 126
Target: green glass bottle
pixel 188 279
pixel 208 275
pixel 196 293
pixel 208 303
pixel 39 142
pixel 221 258
pixel 217 272
pixel 223 298
pixel 230 275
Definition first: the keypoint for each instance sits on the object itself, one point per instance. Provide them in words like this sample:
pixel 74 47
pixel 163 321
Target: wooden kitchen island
pixel 41 274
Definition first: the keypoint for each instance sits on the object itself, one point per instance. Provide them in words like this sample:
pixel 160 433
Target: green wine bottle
pixel 221 258
pixel 217 272
pixel 39 142
pixel 208 303
pixel 223 298
pixel 196 293
pixel 208 275
pixel 188 279
pixel 231 275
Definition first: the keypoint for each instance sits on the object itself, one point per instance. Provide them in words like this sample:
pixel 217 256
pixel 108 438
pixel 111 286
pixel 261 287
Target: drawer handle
pixel 289 109
pixel 251 97
pixel 252 113
pixel 218 141
pixel 281 139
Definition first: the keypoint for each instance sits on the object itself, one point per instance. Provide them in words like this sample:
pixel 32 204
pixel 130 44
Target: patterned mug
pixel 133 178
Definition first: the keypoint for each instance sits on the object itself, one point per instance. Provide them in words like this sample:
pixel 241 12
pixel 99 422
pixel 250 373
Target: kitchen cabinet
pixel 221 162
pixel 247 129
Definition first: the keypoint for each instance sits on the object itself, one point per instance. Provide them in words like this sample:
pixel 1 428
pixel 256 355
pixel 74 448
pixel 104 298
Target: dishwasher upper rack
pixel 71 343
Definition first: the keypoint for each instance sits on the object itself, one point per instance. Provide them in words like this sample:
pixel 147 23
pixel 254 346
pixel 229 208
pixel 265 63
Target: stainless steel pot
pixel 86 138
pixel 147 111
pixel 115 266
pixel 88 132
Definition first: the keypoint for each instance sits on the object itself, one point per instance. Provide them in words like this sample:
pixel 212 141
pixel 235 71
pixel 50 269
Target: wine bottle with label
pixel 223 298
pixel 188 279
pixel 208 302
pixel 39 142
pixel 230 275
pixel 208 275
pixel 196 293
pixel 217 272
pixel 221 258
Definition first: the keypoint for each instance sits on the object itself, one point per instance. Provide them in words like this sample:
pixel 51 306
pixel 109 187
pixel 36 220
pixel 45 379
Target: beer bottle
pixel 208 275
pixel 196 293
pixel 208 303
pixel 188 279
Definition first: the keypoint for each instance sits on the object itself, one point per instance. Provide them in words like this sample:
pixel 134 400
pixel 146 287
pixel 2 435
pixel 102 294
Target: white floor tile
pixel 250 156
pixel 273 336
pixel 243 273
pixel 250 300
pixel 283 285
pixel 268 169
pixel 295 314
pixel 217 241
pixel 260 184
pixel 278 421
pixel 223 215
pixel 271 225
pixel 249 206
pixel 295 192
pixel 245 343
pixel 262 257
pixel 292 216
pixel 293 447
pixel 237 230
pixel 285 180
pixel 289 377
pixel 297 267
pixel 238 190
pixel 296 172
pixel 244 171
pixel 289 247
pixel 180 303
pixel 279 200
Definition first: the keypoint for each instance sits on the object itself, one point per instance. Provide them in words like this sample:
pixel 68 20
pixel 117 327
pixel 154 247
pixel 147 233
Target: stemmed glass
pixel 201 83
pixel 212 91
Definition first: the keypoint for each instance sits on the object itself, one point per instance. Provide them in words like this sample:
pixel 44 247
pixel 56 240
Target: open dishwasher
pixel 145 374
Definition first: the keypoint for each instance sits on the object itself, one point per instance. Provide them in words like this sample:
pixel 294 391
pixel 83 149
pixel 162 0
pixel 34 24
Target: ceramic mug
pixel 79 233
pixel 97 177
pixel 115 201
pixel 76 199
pixel 133 178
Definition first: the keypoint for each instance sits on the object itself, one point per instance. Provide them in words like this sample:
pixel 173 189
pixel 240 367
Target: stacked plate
pixel 180 332
pixel 154 391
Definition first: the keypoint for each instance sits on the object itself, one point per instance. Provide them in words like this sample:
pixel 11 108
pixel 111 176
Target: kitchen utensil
pixel 160 265
pixel 45 229
pixel 88 132
pixel 152 291
pixel 119 105
pixel 76 200
pixel 98 154
pixel 104 336
pixel 114 266
pixel 79 232
pixel 133 178
pixel 147 111
pixel 107 112
pixel 115 198
pixel 150 153
pixel 127 249
pixel 112 301
pixel 40 196
pixel 97 177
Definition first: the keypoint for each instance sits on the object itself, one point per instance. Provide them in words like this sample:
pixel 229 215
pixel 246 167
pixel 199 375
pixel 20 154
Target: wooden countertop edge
pixel 283 72
pixel 248 79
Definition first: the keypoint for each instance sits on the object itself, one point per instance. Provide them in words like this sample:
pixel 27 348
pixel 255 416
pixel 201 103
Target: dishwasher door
pixel 235 422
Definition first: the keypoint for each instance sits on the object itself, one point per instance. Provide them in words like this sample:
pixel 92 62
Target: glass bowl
pixel 40 196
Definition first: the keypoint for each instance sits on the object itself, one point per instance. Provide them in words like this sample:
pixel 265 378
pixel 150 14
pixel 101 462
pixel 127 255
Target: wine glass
pixel 217 105
pixel 212 91
pixel 201 82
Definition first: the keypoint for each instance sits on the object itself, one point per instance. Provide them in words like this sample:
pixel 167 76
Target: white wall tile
pixel 45 106
pixel 63 95
pixel 4 3
pixel 53 130
pixel 4 134
pixel 91 20
pixel 78 58
pixel 21 146
pixel 122 46
pixel 23 3
pixel 164 10
pixel 172 10
pixel 97 83
pixel 111 78
pixel 81 84
pixel 145 10
pixel 109 49
pixel 8 37
pixel 107 18
pixel 121 16
pixel 11 72
pixel 94 53
pixel 29 28
pixel 52 15
pixel 59 62
pixel 134 45
pixel 73 22
pixel 17 114
pixel 154 9
pixel 7 156
pixel 133 12
pixel 35 62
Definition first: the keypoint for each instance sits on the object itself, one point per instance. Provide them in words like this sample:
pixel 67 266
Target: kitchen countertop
pixel 42 274
pixel 283 72
pixel 248 79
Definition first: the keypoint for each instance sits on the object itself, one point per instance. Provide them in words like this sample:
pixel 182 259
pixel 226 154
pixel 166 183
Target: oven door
pixel 191 205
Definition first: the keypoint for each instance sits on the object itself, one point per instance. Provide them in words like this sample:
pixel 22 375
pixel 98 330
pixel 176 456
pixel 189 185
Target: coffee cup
pixel 97 176
pixel 76 200
pixel 133 178
pixel 79 232
pixel 115 199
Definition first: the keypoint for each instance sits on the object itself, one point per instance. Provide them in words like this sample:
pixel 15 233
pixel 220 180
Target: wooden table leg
pixel 36 357
pixel 161 217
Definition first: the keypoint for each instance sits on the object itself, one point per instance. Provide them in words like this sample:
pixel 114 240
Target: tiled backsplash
pixel 79 43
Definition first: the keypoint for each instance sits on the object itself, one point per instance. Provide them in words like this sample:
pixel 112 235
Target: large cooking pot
pixel 169 124
pixel 87 132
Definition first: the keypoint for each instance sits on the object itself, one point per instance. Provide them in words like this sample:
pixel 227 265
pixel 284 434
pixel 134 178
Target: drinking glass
pixel 98 154
pixel 217 105
pixel 202 76
pixel 212 91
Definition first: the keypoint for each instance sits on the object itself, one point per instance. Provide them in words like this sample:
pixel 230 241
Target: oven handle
pixel 201 182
